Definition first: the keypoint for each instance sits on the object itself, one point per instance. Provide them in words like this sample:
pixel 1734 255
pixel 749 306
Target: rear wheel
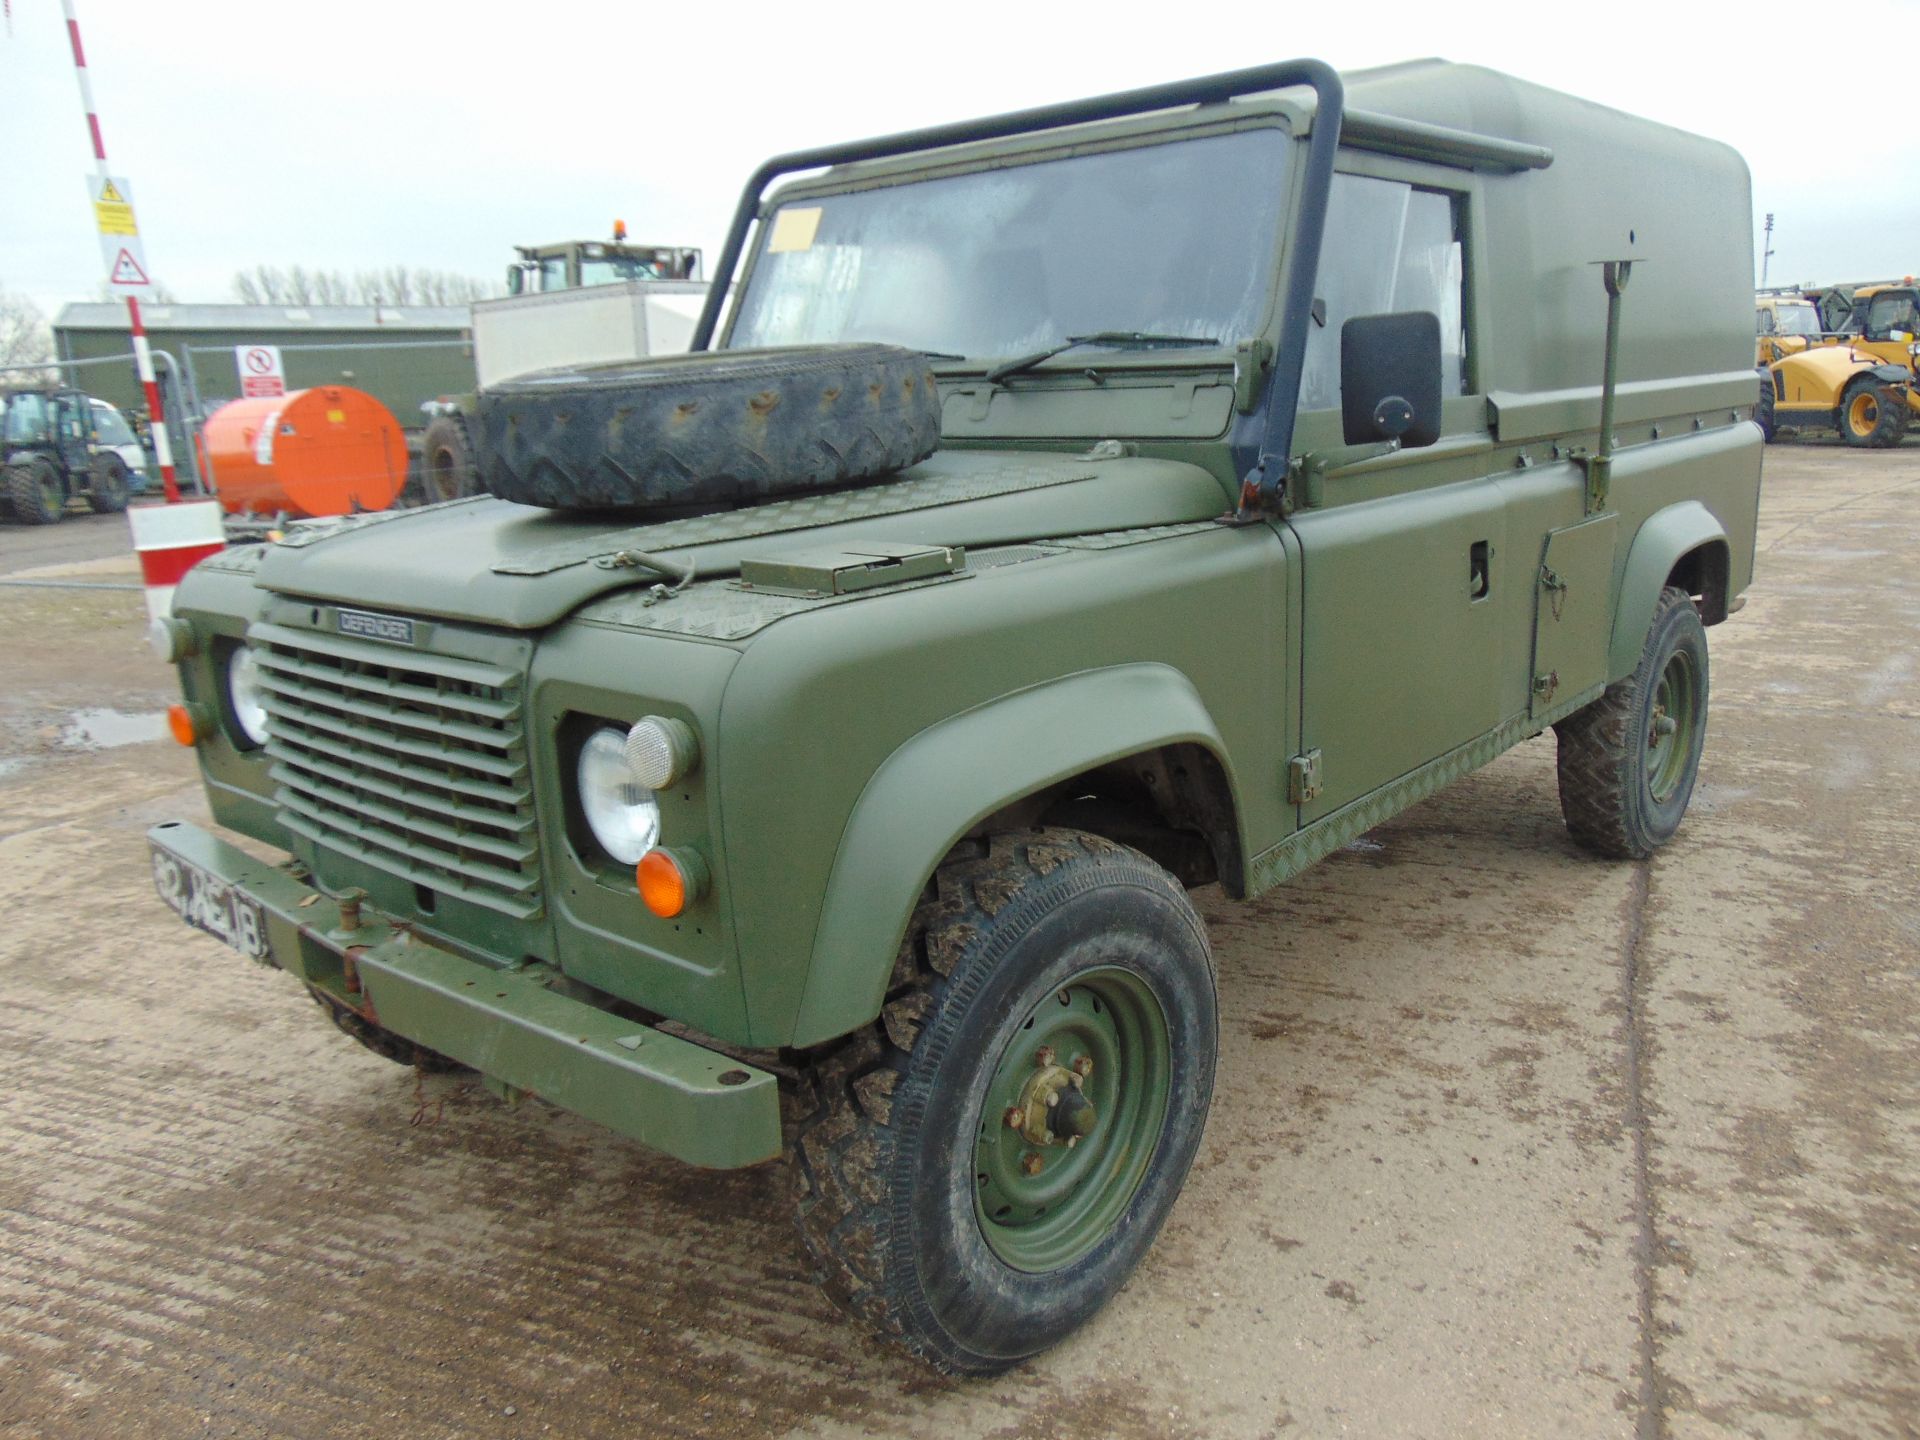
pixel 1872 414
pixel 446 461
pixel 1628 761
pixel 109 486
pixel 34 492
pixel 981 1170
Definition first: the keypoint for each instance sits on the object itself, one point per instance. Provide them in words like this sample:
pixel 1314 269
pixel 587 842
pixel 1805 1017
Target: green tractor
pixel 50 456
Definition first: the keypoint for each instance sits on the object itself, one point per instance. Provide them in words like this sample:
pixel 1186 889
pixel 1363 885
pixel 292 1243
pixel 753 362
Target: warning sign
pixel 126 262
pixel 113 206
pixel 126 266
pixel 260 372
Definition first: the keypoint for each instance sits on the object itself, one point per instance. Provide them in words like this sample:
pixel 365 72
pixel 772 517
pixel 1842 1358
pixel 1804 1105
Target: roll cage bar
pixel 1260 487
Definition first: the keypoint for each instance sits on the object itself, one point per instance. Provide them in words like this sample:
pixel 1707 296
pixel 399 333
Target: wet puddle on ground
pixel 106 729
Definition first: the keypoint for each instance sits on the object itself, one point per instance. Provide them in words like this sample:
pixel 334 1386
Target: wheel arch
pixel 928 795
pixel 1683 545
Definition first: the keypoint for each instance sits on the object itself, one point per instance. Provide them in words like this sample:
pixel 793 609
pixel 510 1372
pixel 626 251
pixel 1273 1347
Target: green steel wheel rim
pixel 1671 726
pixel 1047 1218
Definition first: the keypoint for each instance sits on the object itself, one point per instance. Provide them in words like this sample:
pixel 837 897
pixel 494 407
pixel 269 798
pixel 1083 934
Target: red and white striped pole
pixel 169 539
pixel 143 357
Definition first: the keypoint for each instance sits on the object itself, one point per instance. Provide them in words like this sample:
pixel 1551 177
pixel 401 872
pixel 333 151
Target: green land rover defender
pixel 810 744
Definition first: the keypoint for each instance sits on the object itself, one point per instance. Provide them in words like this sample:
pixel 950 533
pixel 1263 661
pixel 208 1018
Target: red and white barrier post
pixel 169 541
pixel 170 538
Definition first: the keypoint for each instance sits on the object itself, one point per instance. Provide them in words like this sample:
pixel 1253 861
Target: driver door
pixel 73 433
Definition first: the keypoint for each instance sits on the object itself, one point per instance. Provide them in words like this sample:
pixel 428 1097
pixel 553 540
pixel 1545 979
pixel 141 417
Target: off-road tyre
pixel 1872 414
pixel 709 428
pixel 447 470
pixel 1622 792
pixel 888 1128
pixel 109 485
pixel 34 493
pixel 381 1041
pixel 1763 407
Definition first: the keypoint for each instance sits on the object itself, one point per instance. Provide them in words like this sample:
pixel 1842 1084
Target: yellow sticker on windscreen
pixel 794 229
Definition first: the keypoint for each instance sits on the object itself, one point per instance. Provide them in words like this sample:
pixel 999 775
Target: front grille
pixel 413 763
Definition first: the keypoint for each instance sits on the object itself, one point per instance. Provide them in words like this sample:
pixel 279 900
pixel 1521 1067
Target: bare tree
pixel 262 285
pixel 24 337
pixel 330 288
pixel 387 285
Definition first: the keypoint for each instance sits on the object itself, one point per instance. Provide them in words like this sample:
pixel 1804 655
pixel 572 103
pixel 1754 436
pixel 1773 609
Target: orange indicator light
pixel 181 721
pixel 663 885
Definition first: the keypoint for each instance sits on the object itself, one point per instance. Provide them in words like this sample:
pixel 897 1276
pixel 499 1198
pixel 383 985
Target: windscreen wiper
pixel 1119 339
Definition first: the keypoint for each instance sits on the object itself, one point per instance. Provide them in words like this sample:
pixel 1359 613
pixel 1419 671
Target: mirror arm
pixel 1306 486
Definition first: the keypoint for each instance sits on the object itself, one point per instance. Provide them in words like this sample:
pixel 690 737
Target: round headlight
pixel 660 751
pixel 243 695
pixel 621 812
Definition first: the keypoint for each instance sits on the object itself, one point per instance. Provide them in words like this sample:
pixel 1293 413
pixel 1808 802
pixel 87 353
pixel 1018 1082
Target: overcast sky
pixel 352 134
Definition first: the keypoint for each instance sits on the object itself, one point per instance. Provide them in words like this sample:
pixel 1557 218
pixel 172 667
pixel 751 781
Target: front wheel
pixel 1873 414
pixel 34 492
pixel 1763 408
pixel 981 1170
pixel 1628 761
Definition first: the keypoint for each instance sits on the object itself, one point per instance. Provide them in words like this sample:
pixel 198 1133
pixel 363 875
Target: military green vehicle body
pixel 1082 593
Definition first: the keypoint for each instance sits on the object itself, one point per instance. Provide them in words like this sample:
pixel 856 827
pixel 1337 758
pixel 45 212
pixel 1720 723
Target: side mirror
pixel 1390 378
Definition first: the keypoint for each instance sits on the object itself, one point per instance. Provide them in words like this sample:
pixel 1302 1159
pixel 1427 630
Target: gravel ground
pixel 1506 1141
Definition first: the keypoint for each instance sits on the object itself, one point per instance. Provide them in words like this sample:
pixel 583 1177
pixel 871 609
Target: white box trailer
pixel 587 326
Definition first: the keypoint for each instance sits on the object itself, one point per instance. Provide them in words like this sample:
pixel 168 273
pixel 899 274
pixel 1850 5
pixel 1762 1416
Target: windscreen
pixel 1890 312
pixel 1171 239
pixel 111 429
pixel 1797 320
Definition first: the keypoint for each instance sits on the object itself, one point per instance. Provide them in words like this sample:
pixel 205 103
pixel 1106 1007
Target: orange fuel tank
pixel 326 451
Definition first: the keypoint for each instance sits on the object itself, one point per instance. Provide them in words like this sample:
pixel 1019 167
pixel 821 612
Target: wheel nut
pixel 1043 1057
pixel 1034 1163
pixel 1015 1117
pixel 1083 1065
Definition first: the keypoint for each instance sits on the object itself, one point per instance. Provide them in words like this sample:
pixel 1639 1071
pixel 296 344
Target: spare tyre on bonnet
pixel 711 427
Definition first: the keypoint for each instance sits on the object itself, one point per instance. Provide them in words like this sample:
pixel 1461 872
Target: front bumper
pixel 668 1093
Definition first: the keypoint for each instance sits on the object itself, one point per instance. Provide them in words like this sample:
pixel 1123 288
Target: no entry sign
pixel 260 372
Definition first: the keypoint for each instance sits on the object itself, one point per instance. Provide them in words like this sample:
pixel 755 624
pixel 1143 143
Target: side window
pixel 1388 247
pixel 27 420
pixel 1763 322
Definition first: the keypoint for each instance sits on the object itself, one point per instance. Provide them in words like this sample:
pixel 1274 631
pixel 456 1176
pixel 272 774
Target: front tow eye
pixel 1053 1107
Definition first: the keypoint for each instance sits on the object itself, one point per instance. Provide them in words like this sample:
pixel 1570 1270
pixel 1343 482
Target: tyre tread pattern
pixel 26 484
pixel 711 427
pixel 839 1141
pixel 1597 751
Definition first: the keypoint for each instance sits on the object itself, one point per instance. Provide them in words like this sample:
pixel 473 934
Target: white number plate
pixel 211 905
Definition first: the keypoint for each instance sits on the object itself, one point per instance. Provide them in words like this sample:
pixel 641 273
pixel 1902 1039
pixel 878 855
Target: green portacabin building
pixel 403 355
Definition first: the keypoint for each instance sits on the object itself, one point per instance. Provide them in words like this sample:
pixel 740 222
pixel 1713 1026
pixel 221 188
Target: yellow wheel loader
pixel 1833 387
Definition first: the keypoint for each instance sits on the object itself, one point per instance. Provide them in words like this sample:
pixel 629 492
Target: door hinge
pixel 1303 778
pixel 1545 686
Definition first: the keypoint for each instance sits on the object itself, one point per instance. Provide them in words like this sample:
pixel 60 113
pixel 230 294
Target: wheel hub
pixel 1070 1119
pixel 1670 727
pixel 1053 1108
